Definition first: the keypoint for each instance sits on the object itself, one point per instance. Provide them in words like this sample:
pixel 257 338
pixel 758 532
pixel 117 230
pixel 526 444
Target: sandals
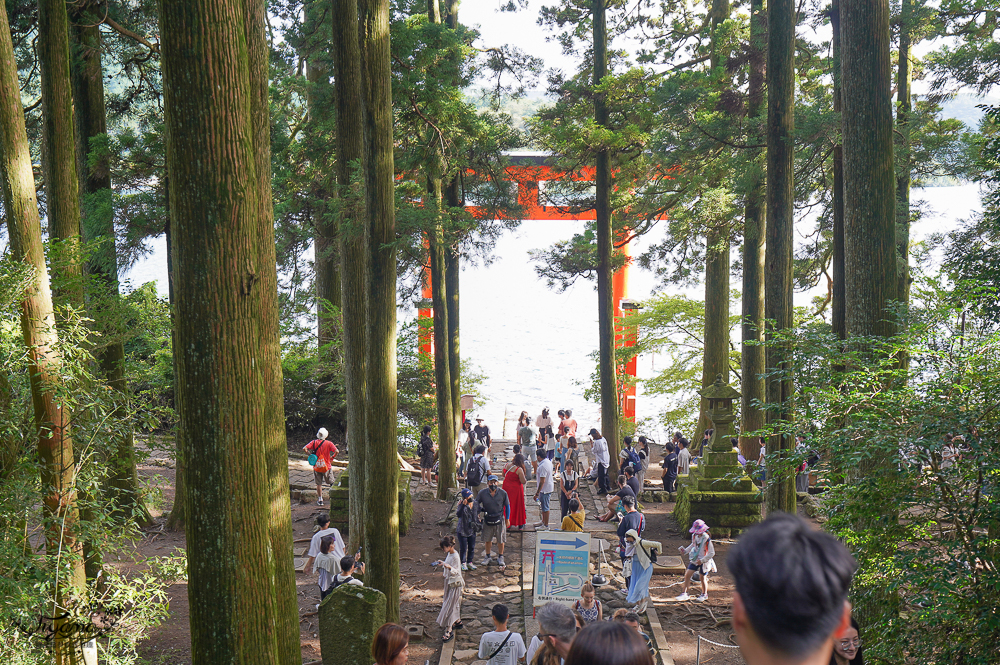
pixel 447 636
pixel 458 626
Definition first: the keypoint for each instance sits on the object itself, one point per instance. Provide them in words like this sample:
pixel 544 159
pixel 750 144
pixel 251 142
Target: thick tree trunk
pixel 839 312
pixel 355 254
pixel 382 469
pixel 715 353
pixel 325 242
pixel 213 75
pixel 452 269
pixel 870 250
pixel 58 144
pixel 55 442
pixel 903 109
pixel 97 222
pixel 439 296
pixel 272 434
pixel 780 493
pixel 605 297
pixel 752 367
pixel 869 180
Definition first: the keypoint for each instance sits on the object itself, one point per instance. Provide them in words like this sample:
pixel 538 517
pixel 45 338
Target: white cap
pixel 322 433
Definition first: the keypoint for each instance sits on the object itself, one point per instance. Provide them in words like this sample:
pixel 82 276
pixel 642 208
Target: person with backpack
pixel 501 646
pixel 481 433
pixel 494 502
pixel 701 553
pixel 465 530
pixel 644 456
pixel 669 475
pixel 477 471
pixel 348 565
pixel 644 554
pixel 321 453
pixel 575 517
pixel 425 451
pixel 629 457
pixel 527 435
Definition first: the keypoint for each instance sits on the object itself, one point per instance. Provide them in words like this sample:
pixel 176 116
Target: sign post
pixel 562 560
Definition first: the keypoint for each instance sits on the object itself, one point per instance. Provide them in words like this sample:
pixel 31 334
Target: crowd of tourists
pixel 789 606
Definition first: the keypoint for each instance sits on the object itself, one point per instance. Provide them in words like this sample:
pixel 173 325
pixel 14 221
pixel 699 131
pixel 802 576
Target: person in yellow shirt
pixel 574 519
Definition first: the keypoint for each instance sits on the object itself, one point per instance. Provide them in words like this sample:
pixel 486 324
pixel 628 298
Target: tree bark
pixel 97 225
pixel 272 434
pixel 903 110
pixel 58 144
pixel 839 312
pixel 715 352
pixel 605 297
pixel 752 365
pixel 452 270
pixel 780 493
pixel 38 328
pixel 869 181
pixel 382 469
pixel 439 296
pixel 213 69
pixel 355 254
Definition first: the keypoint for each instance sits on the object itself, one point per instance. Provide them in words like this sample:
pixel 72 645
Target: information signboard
pixel 562 561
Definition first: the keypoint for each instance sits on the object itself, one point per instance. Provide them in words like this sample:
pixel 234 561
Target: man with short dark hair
pixel 614 500
pixel 790 602
pixel 557 626
pixel 482 433
pixel 501 646
pixel 631 619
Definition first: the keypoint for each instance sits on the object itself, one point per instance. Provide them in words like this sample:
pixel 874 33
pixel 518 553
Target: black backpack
pixel 476 472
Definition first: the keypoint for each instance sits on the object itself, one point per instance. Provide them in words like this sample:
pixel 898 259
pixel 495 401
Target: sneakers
pixel 683 596
pixel 465 566
pixel 486 560
pixel 702 598
pixel 319 501
pixel 541 527
pixel 501 562
pixel 622 592
pixel 471 566
pixel 538 524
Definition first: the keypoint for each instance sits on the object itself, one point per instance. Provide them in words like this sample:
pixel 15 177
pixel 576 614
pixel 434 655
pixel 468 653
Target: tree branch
pixel 122 30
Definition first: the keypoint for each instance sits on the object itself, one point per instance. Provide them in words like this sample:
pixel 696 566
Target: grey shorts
pixel 322 478
pixel 496 532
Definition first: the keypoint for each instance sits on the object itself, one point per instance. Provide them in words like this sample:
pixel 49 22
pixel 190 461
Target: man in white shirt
pixel 501 646
pixel 338 551
pixel 603 459
pixel 545 485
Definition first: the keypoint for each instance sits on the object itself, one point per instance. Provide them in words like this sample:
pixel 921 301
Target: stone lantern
pixel 720 398
pixel 718 491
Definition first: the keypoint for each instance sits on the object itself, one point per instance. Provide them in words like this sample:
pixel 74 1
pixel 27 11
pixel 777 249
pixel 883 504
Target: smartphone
pixel 358 554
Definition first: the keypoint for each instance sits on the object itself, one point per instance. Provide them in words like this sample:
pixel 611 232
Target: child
pixel 589 607
pixel 347 566
pixel 450 616
pixel 701 553
pixel 326 565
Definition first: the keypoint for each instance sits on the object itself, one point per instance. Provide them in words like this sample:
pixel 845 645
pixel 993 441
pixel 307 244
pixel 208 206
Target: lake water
pixel 534 344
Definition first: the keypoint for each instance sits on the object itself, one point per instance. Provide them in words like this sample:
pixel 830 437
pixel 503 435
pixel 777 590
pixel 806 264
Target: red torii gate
pixel 526 172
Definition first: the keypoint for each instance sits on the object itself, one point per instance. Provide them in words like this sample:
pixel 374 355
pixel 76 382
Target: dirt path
pixel 421 584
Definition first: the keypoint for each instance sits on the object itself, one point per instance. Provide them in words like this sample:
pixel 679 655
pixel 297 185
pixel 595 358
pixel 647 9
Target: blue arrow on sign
pixel 579 543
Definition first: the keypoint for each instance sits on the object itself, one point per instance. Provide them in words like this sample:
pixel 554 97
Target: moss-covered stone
pixel 405 504
pixel 340 515
pixel 348 620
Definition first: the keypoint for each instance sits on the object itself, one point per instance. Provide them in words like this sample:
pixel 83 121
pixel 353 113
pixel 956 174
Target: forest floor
pixel 421 585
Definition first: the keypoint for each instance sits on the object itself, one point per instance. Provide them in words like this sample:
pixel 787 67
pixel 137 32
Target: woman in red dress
pixel 513 485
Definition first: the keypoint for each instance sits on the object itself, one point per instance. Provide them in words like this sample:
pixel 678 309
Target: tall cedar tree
pixel 903 110
pixel 870 255
pixel 38 327
pixel 97 226
pixel 605 301
pixel 272 434
pixel 439 295
pixel 452 270
pixel 716 352
pixel 838 312
pixel 214 75
pixel 355 254
pixel 381 466
pixel 752 356
pixel 781 17
pixel 59 150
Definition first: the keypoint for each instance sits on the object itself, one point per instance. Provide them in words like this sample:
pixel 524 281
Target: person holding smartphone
pixel 466 529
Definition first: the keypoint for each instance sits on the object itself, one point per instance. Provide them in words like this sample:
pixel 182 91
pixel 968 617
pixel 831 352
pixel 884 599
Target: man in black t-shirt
pixel 670 469
pixel 481 433
pixel 615 501
pixel 632 481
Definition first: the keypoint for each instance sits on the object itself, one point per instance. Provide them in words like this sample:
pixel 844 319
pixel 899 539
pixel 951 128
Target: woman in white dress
pixel 451 570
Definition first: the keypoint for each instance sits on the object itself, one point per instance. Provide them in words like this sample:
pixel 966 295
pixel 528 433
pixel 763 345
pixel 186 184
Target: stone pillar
pixel 718 491
pixel 348 620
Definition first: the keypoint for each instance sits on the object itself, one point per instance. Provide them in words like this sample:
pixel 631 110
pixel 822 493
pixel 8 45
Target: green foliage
pixel 925 533
pixel 31 570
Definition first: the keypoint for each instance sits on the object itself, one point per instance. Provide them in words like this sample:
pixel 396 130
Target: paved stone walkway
pixel 514 587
